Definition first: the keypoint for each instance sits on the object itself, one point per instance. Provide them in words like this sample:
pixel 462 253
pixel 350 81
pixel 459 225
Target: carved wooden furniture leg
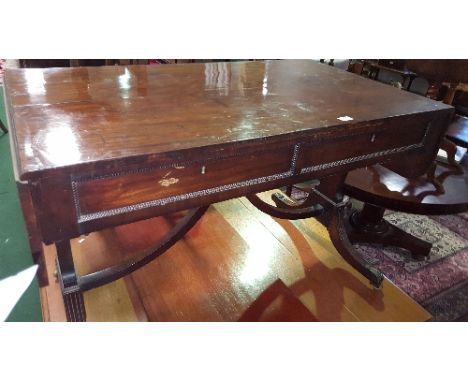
pixel 107 275
pixel 451 149
pixel 336 220
pixel 369 226
pixel 287 211
pixel 71 291
pixel 334 217
pixel 73 285
pixel 339 237
pixel 431 177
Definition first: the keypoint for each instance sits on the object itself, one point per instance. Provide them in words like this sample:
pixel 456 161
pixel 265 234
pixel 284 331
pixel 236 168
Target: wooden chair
pixel 443 191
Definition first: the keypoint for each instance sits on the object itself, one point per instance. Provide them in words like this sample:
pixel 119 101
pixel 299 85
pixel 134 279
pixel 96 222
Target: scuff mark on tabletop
pixel 168 182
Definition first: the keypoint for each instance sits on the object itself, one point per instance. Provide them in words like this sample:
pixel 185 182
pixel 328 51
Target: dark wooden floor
pixel 235 264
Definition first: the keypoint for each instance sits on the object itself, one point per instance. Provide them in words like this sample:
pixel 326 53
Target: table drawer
pixel 359 146
pixel 177 181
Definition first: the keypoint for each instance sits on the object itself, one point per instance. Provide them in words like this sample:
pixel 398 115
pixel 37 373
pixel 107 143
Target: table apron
pixel 74 205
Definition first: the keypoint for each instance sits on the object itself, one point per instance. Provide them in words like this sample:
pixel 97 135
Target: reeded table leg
pixel 72 295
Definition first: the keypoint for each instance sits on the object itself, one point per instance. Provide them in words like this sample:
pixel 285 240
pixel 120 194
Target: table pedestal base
pixel 334 216
pixel 369 226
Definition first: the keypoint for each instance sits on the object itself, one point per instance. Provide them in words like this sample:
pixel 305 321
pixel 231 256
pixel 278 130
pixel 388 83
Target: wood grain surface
pixel 84 116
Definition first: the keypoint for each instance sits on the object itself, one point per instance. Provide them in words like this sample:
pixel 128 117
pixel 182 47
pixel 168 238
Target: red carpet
pixel 439 283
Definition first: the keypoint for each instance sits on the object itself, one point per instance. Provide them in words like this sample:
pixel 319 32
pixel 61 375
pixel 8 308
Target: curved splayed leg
pixel 334 216
pixel 113 273
pixel 339 237
pixel 286 209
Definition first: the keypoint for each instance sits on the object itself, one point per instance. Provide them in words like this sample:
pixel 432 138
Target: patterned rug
pixel 440 282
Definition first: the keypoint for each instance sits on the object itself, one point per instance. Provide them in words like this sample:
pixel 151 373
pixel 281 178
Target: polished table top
pixel 81 117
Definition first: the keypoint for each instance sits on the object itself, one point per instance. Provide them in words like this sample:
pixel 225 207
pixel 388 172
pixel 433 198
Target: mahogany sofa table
pixel 104 146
